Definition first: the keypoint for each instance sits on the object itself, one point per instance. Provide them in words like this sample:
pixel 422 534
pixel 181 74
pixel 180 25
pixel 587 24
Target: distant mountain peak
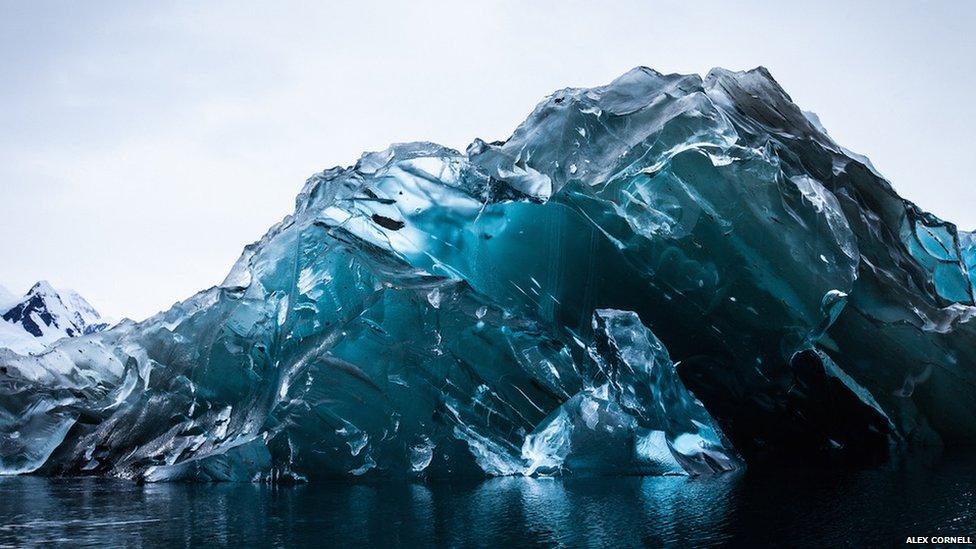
pixel 47 314
pixel 42 286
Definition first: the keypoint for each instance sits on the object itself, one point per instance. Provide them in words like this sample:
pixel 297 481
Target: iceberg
pixel 668 274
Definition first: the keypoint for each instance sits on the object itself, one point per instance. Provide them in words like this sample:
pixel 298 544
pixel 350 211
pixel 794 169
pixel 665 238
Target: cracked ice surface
pixel 667 274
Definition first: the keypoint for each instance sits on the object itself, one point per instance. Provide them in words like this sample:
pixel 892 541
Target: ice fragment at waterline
pixel 667 274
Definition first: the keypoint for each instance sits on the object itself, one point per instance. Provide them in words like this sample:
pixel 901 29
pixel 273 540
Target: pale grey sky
pixel 142 145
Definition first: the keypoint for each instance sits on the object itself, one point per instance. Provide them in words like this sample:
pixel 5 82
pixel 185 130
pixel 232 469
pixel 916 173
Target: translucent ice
pixel 634 414
pixel 515 309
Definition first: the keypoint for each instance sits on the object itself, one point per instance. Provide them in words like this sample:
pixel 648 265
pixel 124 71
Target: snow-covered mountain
pixel 44 315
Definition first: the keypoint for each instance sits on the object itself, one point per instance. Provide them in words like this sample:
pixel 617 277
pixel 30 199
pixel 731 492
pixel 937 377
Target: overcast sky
pixel 143 145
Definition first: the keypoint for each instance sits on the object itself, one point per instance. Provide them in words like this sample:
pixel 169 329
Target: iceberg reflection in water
pixel 803 507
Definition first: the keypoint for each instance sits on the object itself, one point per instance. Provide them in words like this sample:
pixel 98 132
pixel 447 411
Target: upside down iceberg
pixel 666 274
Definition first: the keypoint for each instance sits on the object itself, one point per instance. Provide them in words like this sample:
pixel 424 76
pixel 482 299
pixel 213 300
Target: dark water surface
pixel 874 507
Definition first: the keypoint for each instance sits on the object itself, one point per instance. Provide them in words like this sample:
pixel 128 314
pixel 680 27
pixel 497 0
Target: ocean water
pixel 877 506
